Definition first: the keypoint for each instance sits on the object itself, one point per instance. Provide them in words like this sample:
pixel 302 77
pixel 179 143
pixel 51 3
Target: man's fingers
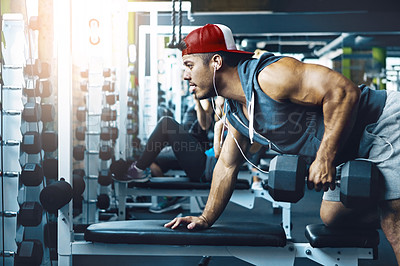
pixel 170 223
pixel 191 225
pixel 177 223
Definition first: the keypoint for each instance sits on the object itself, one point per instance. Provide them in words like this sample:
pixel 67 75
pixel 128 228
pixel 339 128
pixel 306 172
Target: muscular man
pixel 296 108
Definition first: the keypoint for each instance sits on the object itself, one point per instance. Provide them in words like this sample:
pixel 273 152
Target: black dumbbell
pixel 33 67
pixel 108 133
pixel 79 152
pixel 32 112
pixel 103 201
pixel 108 114
pixel 81 113
pixel 33 89
pixel 114 133
pixel 80 132
pixel 357 180
pixel 132 116
pixel 84 85
pixel 111 98
pixel 50 168
pixel 105 178
pixel 56 195
pixel 29 252
pixel 30 213
pixel 107 85
pixel 31 174
pixel 130 102
pixel 119 168
pixel 105 133
pixel 49 141
pixel 45 72
pixel 31 142
pixel 50 235
pixel 78 182
pixel 105 152
pixel 47 88
pixel 106 72
pixel 84 73
pixel 48 112
pixel 79 171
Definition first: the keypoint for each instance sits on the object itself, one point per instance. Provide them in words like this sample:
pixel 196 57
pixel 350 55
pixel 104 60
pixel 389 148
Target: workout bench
pixel 243 195
pixel 256 243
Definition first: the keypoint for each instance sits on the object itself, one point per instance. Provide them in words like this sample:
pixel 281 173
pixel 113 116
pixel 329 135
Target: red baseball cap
pixel 211 38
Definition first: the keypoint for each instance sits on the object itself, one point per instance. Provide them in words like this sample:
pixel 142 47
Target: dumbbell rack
pixel 29 135
pixel 11 94
pixel 100 136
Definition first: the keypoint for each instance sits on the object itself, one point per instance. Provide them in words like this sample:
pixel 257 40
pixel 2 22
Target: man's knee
pixel 331 211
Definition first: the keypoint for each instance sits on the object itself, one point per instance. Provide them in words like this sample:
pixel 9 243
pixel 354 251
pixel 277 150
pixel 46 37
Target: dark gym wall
pixel 293 5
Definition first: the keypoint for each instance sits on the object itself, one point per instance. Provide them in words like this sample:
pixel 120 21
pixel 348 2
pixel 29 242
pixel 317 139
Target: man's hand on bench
pixel 193 222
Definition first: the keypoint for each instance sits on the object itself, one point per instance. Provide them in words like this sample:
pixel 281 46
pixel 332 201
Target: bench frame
pixel 252 254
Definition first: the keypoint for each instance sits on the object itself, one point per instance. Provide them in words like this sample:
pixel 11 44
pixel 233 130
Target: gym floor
pixel 306 211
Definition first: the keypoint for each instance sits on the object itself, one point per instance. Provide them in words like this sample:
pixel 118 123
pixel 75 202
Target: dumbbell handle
pixel 338 176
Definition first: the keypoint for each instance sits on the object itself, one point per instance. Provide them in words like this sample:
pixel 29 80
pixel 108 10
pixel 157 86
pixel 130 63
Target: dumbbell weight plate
pixel 79 152
pixel 47 88
pixel 32 112
pixel 48 112
pixel 80 132
pixel 29 252
pixel 105 152
pixel 31 142
pixel 105 133
pixel 103 201
pixel 30 213
pixel 32 174
pixel 81 113
pixel 50 168
pixel 49 141
pixel 286 179
pixel 105 178
pixel 359 183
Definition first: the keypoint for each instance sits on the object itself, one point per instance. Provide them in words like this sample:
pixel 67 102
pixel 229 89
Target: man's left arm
pixel 310 84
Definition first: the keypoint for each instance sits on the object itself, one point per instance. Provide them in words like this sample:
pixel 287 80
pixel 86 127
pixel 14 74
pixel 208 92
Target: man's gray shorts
pixel 380 143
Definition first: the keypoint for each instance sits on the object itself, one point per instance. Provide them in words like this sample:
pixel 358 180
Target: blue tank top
pixel 291 128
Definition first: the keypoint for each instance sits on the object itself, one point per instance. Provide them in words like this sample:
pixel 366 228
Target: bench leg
pixel 264 256
pixel 195 206
pixel 122 191
pixel 333 256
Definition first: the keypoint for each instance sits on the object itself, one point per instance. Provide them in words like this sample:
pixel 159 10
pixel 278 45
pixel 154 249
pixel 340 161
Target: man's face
pixel 199 75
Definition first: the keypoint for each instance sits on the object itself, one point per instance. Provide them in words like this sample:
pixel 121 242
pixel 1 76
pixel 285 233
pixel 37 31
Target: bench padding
pixel 154 232
pixel 181 183
pixel 321 236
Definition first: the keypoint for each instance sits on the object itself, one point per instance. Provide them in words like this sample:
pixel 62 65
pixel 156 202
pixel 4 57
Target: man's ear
pixel 217 61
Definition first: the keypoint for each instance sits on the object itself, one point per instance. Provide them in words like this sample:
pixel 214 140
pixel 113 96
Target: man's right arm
pixel 222 185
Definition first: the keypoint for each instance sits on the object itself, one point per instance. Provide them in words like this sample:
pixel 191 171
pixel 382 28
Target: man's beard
pixel 209 94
